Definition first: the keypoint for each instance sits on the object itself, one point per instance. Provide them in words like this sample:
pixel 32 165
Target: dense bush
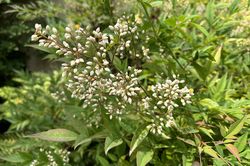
pixel 142 82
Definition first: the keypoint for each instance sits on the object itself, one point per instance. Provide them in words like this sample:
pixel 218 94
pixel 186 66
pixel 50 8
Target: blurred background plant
pixel 205 42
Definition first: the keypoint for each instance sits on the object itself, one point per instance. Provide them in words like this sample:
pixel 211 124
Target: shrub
pixel 159 86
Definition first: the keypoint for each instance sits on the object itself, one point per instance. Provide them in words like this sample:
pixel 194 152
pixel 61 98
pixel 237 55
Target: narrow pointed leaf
pixel 14 158
pixel 233 150
pixel 217 55
pixel 208 150
pixel 139 136
pixel 57 135
pixel 200 28
pixel 236 127
pixel 144 157
pixel 241 142
pixel 111 143
pixel 188 141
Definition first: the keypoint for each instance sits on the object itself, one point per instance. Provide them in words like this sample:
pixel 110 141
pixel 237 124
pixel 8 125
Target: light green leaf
pixel 208 132
pixel 236 127
pixel 200 28
pixel 157 3
pixel 208 150
pixel 241 142
pixel 139 136
pixel 188 141
pixel 144 157
pixel 111 143
pixel 217 55
pixel 202 70
pixel 209 103
pixel 14 158
pixel 57 135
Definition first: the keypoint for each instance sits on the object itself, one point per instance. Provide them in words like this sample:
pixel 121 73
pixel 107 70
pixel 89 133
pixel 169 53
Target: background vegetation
pixel 204 42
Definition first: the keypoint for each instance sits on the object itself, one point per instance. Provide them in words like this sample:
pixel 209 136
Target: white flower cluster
pixel 126 85
pixel 115 110
pixel 169 92
pixel 93 77
pixel 163 99
pixel 89 71
pixel 34 163
pixel 158 123
pixel 128 36
pixel 63 154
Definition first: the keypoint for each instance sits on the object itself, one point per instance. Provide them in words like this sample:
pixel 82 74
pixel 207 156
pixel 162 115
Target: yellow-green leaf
pixel 208 150
pixel 208 132
pixel 209 103
pixel 236 127
pixel 57 135
pixel 217 55
pixel 241 142
pixel 144 157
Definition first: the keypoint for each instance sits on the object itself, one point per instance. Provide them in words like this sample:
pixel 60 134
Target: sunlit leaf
pixel 241 142
pixel 233 150
pixel 139 136
pixel 57 135
pixel 111 143
pixel 236 127
pixel 144 157
pixel 208 150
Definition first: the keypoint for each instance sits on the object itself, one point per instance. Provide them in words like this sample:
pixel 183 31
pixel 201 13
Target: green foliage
pixel 204 42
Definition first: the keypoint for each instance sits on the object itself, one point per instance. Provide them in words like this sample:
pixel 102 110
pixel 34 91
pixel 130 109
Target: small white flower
pixel 68 29
pixel 65 44
pixel 34 38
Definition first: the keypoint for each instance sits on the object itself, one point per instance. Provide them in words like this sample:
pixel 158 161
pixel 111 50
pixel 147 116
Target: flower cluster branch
pixel 93 77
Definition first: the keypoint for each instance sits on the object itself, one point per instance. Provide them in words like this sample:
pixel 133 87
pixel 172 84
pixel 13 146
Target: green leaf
pixel 45 49
pixel 209 103
pixel 210 12
pixel 144 157
pixel 222 130
pixel 14 158
pixel 111 143
pixel 116 62
pixel 82 139
pixel 57 135
pixel 138 137
pixel 208 150
pixel 208 132
pixel 157 3
pixel 217 55
pixel 233 150
pixel 202 71
pixel 103 161
pixel 234 6
pixel 241 142
pixel 188 141
pixel 236 127
pixel 202 29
